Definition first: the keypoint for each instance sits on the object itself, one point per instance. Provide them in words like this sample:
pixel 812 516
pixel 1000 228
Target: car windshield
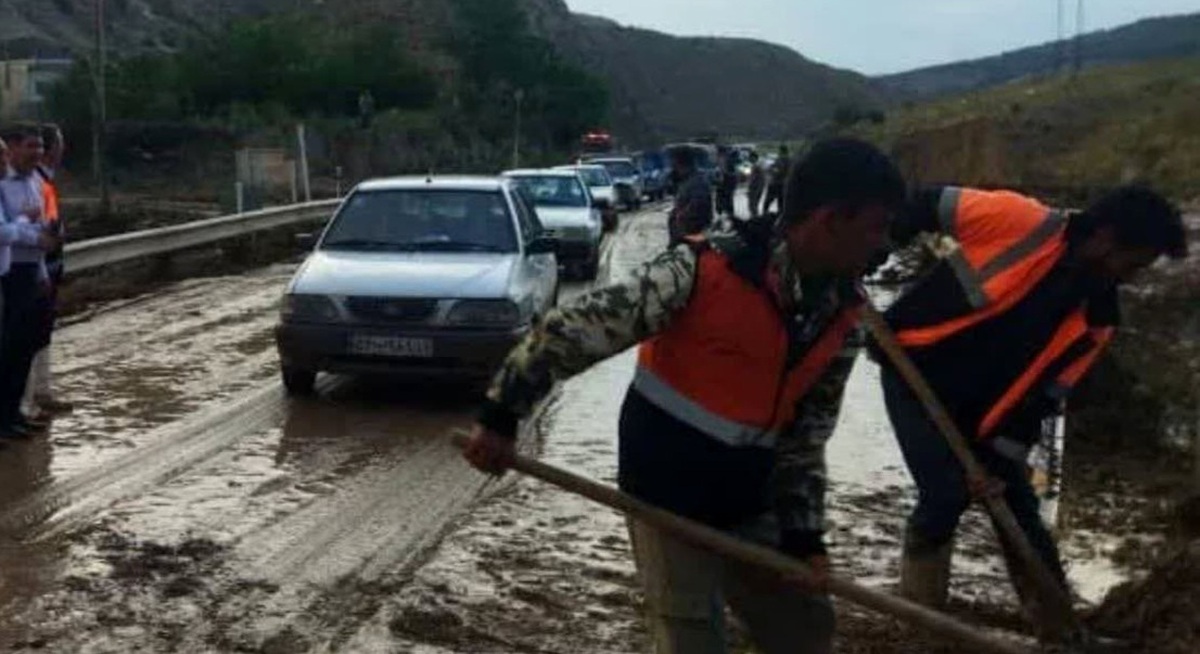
pixel 594 176
pixel 423 221
pixel 553 190
pixel 619 168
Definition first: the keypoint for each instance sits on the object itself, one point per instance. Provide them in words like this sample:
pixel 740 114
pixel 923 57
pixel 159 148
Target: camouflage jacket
pixel 606 321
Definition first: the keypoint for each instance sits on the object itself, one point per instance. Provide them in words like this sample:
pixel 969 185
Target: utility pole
pixel 519 96
pixel 1060 45
pixel 100 114
pixel 1078 37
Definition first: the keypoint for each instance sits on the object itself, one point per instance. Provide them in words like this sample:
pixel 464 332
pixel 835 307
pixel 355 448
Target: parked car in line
pixel 600 185
pixel 567 212
pixel 653 165
pixel 626 178
pixel 426 277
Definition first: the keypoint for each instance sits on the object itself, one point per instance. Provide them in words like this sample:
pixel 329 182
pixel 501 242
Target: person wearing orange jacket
pixel 747 338
pixel 1019 307
pixel 40 399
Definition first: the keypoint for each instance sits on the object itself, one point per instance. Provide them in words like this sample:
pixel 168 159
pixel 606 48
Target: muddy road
pixel 187 505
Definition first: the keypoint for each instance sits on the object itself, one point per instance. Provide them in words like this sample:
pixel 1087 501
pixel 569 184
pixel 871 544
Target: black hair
pixel 18 132
pixel 51 134
pixel 684 156
pixel 841 171
pixel 1139 218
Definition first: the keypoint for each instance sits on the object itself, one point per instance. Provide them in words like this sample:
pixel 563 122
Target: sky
pixel 881 36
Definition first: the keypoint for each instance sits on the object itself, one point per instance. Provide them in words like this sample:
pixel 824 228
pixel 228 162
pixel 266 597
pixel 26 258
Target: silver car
pixel 626 178
pixel 601 186
pixel 567 212
pixel 429 277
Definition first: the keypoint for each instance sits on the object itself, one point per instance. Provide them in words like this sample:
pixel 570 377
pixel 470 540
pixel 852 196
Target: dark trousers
pixel 774 197
pixel 23 328
pixel 941 483
pixel 725 199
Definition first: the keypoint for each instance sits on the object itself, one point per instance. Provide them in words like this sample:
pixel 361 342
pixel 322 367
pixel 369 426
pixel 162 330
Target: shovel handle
pixel 1059 604
pixel 717 541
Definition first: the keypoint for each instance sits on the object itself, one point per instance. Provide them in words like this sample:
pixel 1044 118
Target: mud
pixel 1162 613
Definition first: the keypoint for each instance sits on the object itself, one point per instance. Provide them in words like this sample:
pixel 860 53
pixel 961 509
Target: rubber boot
pixel 925 571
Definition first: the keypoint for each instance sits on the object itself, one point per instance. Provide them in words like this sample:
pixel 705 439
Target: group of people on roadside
pixel 31 269
pixel 697 202
pixel 747 333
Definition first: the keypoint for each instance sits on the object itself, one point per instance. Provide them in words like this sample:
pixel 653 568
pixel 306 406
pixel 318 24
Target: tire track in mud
pixel 386 517
pixel 172 450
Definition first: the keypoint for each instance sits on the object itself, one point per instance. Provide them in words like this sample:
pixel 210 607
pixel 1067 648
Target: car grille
pixel 389 309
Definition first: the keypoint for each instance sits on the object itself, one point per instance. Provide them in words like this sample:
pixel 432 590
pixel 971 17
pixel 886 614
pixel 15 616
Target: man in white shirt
pixel 40 399
pixel 24 275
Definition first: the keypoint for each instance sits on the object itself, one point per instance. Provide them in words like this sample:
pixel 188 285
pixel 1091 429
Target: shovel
pixel 1059 619
pixel 719 542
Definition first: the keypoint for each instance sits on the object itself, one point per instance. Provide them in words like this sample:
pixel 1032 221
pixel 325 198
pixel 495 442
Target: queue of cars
pixel 441 276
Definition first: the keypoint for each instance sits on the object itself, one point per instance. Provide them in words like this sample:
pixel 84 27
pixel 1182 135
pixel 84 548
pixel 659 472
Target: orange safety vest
pixel 721 366
pixel 1007 244
pixel 49 202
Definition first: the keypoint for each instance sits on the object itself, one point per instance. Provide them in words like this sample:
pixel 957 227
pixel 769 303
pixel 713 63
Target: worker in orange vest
pixel 1018 308
pixel 747 339
pixel 40 399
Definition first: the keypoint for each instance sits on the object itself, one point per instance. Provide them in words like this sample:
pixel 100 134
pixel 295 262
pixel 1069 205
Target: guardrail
pixel 94 253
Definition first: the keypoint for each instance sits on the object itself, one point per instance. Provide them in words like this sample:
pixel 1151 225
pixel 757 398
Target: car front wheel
pixel 299 382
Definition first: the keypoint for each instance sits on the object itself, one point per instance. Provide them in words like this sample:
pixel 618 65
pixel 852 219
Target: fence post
pixel 303 154
pixel 239 191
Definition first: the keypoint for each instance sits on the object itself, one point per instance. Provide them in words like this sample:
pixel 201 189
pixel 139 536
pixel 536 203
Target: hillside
pixel 675 87
pixel 1062 135
pixel 662 87
pixel 42 28
pixel 1153 38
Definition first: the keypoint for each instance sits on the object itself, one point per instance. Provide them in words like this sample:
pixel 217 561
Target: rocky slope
pixel 663 87
pixel 673 87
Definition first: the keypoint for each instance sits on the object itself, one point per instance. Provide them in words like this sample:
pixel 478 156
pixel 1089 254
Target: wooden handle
pixel 722 543
pixel 1062 614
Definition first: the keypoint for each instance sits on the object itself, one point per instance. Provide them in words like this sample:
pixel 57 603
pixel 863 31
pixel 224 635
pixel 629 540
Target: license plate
pixel 391 346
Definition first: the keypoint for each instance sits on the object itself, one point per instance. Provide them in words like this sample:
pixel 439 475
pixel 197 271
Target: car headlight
pixel 485 313
pixel 308 308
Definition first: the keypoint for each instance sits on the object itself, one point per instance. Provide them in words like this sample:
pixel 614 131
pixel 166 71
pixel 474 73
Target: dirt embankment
pixel 1069 136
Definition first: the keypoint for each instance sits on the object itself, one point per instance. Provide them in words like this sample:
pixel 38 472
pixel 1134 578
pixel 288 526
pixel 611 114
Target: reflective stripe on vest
pixel 721 365
pixel 1072 329
pixel 990 286
pixel 685 410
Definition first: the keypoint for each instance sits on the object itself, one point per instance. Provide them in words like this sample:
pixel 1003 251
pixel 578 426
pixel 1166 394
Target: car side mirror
pixel 542 245
pixel 306 241
pixel 601 203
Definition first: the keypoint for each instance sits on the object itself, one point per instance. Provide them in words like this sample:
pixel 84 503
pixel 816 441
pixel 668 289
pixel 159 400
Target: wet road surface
pixel 188 505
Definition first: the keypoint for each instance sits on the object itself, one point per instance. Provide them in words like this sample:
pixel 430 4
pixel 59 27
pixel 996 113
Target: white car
pixel 600 185
pixel 626 178
pixel 568 213
pixel 428 277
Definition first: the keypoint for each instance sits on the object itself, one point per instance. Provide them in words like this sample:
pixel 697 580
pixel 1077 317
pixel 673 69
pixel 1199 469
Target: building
pixel 25 85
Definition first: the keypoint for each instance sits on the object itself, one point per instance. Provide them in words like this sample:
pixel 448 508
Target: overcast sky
pixel 880 36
